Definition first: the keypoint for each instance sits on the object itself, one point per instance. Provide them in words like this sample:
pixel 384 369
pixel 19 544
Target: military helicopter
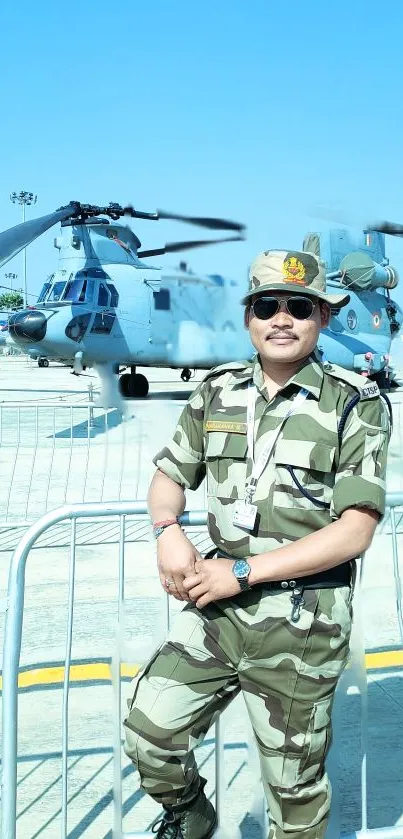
pixel 359 335
pixel 105 307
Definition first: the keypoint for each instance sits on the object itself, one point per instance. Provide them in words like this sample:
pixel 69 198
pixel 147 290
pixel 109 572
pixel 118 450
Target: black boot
pixel 194 819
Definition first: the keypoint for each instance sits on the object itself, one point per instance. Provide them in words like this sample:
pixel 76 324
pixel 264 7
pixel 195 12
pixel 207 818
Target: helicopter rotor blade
pixel 13 240
pixel 388 227
pixel 203 221
pixel 173 247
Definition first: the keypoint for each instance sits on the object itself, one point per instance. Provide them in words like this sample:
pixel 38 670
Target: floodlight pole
pixel 23 198
pixel 11 276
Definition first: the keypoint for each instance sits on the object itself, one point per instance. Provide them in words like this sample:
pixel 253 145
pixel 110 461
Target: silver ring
pixel 169 582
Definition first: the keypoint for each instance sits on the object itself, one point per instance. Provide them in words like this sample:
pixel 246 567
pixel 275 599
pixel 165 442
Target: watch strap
pixel 243 582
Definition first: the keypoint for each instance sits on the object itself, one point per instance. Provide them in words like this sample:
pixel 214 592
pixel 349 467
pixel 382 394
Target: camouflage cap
pixel 299 272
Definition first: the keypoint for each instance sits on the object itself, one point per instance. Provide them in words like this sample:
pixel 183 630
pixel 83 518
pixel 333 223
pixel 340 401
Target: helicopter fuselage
pixel 104 305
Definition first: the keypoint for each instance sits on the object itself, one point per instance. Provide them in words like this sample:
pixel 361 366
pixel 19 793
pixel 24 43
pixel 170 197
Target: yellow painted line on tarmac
pixel 94 672
pixel 388 658
pixel 101 671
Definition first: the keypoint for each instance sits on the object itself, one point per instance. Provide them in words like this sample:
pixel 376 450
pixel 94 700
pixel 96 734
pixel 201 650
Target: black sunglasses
pixel 299 307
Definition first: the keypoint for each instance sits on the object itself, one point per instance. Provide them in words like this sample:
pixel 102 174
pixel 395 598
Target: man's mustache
pixel 282 335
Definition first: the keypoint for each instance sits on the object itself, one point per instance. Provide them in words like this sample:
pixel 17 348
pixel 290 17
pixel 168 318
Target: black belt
pixel 332 578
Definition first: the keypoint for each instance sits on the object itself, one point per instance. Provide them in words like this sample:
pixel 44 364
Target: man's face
pixel 284 339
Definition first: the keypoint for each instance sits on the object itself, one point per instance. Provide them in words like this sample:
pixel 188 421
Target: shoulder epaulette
pixel 366 388
pixel 229 367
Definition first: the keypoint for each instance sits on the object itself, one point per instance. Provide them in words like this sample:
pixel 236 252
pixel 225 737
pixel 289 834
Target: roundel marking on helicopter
pixel 376 320
pixel 351 319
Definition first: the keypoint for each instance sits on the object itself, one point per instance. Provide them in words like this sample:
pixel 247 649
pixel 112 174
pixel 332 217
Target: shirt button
pixel 292 583
pixel 284 584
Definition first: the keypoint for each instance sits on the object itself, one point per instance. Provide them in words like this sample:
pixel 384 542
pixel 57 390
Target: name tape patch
pixel 226 425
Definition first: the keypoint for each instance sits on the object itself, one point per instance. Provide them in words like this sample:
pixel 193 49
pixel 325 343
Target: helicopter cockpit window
pixel 79 290
pixel 56 292
pixel 162 299
pixel 103 323
pixel 114 295
pixel 89 293
pixel 44 291
pixel 78 326
pixel 103 295
pixel 75 291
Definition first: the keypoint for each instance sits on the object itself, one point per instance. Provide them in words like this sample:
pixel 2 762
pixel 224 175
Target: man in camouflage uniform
pixel 299 500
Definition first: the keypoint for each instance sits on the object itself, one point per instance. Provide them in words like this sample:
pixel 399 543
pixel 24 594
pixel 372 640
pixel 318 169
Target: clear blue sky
pixel 253 110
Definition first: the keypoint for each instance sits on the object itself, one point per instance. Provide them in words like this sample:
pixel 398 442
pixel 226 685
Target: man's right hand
pixel 176 560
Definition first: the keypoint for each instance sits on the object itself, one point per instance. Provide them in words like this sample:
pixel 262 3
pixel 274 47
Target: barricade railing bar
pixel 12 649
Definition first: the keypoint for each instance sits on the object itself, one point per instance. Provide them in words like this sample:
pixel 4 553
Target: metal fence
pixel 54 453
pixel 12 647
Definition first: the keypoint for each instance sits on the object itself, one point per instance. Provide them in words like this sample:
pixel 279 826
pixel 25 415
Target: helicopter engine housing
pixel 361 273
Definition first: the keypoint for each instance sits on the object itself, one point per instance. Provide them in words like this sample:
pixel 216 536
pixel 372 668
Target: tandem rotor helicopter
pixel 106 307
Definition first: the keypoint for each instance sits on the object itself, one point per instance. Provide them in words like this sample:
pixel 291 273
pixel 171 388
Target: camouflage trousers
pixel 287 673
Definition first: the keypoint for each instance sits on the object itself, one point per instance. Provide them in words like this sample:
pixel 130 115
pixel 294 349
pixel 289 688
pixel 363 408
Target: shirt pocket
pixel 226 464
pixel 304 475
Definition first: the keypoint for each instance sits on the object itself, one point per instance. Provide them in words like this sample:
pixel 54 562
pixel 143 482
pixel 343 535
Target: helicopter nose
pixel 25 327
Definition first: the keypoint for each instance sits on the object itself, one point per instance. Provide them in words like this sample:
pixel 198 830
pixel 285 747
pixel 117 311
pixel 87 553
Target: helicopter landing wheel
pixel 186 374
pixel 133 385
pixel 138 385
pixel 43 362
pixel 124 384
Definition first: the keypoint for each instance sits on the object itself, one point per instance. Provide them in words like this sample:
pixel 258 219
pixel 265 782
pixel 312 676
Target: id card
pixel 244 515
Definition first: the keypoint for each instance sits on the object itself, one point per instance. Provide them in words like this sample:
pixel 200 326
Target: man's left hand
pixel 213 580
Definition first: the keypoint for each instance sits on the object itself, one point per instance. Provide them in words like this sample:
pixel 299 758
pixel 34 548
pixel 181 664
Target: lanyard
pixel 259 465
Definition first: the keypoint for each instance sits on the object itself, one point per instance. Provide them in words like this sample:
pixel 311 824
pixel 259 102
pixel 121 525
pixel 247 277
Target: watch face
pixel 241 568
pixel 158 531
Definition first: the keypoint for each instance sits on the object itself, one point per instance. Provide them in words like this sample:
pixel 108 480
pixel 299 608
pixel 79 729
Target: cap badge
pixel 294 270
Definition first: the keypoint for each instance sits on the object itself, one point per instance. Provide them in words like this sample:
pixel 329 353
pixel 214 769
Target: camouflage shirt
pixel 211 441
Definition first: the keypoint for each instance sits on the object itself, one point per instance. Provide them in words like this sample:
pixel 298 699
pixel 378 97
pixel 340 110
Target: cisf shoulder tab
pixel 366 388
pixel 370 391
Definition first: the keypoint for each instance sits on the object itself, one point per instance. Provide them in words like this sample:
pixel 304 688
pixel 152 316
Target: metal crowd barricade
pixel 12 647
pixel 54 453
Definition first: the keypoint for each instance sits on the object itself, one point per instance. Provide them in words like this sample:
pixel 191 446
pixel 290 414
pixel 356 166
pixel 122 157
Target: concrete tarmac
pixel 90 782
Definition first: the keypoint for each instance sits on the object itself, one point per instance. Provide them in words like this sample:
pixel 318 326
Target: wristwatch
pixel 242 569
pixel 160 526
